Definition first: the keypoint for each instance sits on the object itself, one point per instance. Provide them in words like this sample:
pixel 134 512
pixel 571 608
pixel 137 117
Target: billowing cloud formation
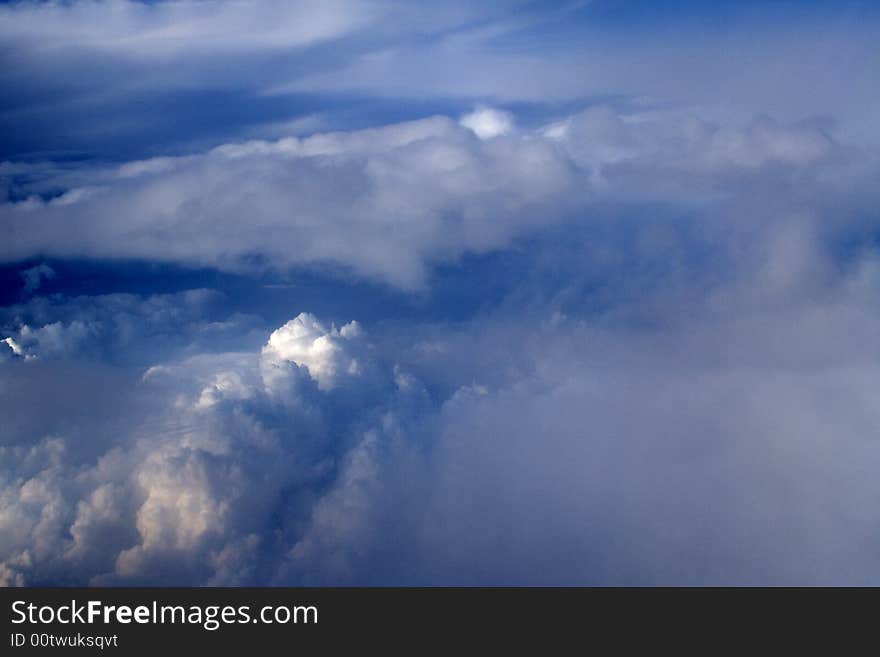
pixel 723 438
pixel 388 203
pixel 487 122
pixel 192 491
pixel 356 293
pixel 304 342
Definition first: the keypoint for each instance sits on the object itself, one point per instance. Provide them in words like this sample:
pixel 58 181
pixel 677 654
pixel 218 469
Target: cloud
pixel 304 342
pixel 487 122
pixel 714 438
pixel 193 485
pixel 34 277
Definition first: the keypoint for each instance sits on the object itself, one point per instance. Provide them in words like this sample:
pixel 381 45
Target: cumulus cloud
pixel 13 347
pixel 717 436
pixel 305 342
pixel 487 122
pixel 382 203
pixel 192 488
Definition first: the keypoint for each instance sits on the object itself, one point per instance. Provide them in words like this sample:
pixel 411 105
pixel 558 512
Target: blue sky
pixel 373 292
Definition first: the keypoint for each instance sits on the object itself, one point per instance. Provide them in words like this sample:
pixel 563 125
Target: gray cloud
pixel 382 203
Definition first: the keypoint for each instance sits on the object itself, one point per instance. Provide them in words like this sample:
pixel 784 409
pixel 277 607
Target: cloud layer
pixel 358 293
pixel 386 204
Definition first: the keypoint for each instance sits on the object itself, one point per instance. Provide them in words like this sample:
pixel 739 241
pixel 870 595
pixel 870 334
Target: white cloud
pixel 16 348
pixel 668 377
pixel 190 486
pixel 52 340
pixel 657 144
pixel 389 203
pixel 383 203
pixel 792 69
pixel 305 342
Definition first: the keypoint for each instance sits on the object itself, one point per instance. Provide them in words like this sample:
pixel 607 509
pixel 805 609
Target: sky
pixel 444 293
